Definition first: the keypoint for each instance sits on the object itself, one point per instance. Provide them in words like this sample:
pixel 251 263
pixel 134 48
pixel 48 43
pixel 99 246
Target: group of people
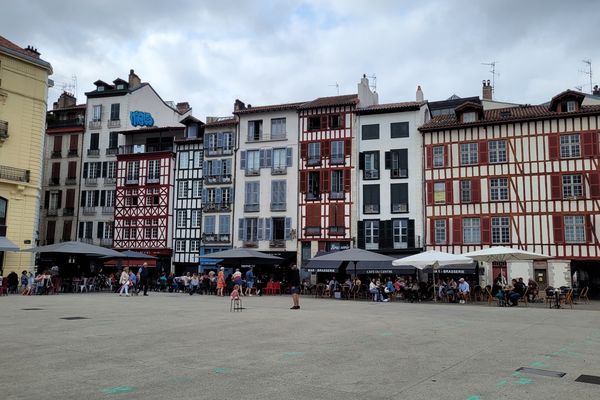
pixel 137 282
pixel 28 284
pixel 511 294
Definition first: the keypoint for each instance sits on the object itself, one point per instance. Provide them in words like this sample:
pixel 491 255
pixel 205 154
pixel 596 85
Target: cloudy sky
pixel 264 52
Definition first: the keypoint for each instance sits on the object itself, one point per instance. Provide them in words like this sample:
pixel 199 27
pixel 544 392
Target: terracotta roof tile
pixel 391 107
pixel 8 44
pixel 344 100
pixel 501 115
pixel 223 122
pixel 269 108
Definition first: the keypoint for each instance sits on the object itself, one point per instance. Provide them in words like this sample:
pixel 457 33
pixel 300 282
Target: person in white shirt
pixel 463 290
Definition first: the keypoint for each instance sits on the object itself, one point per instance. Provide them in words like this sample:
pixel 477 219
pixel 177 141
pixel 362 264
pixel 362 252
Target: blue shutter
pixel 268 228
pixel 261 158
pixel 288 228
pixel 219 140
pixel 273 191
pixel 205 171
pixel 243 159
pixel 260 233
pixel 218 197
pixel 269 158
pixel 282 192
pixel 288 156
pixel 204 196
pixel 247 193
pixel 217 165
pixel 241 229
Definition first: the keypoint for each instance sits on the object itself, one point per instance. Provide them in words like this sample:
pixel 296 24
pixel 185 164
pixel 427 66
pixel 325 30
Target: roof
pixel 331 101
pixel 564 95
pixel 25 54
pixel 391 107
pixel 152 129
pixel 269 108
pixel 451 102
pixel 502 115
pixel 223 122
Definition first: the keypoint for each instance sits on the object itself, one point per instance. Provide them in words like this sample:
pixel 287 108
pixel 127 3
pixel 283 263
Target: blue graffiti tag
pixel 140 118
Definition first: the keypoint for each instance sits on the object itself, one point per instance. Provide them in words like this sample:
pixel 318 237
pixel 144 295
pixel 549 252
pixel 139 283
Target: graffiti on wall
pixel 140 118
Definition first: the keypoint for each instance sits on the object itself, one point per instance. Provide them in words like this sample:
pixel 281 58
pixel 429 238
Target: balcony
pixel 86 240
pixel 88 210
pixel 114 123
pixel 279 244
pixel 372 174
pixel 95 124
pixel 108 210
pixel 278 206
pixel 253 172
pixel 337 196
pixel 52 212
pixel 56 154
pixel 113 151
pixel 91 181
pixel 70 181
pixel 279 171
pixel 64 123
pixel 399 173
pixel 73 153
pixel 337 159
pixel 251 207
pixel 399 207
pixel 313 196
pixel 54 181
pixel 216 207
pixel 312 230
pixel 110 181
pixel 153 179
pixel 68 212
pixel 250 243
pixel 211 179
pixel 132 181
pixel 14 174
pixel 216 237
pixel 337 230
pixel 371 208
pixel 312 161
pixel 106 242
pixel 93 152
pixel 143 148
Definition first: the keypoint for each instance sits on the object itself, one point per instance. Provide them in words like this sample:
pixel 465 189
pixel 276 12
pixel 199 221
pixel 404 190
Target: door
pixel 541 278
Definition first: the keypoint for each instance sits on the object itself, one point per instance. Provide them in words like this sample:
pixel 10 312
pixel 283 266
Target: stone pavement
pixel 175 346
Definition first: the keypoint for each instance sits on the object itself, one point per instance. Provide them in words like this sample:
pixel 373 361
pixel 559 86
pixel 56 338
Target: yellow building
pixel 23 104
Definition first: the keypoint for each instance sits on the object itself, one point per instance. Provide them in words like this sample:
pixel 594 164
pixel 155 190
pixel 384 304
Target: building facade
pixel 524 177
pixel 23 105
pixel 187 223
pixel 218 187
pixel 121 106
pixel 266 201
pixel 62 164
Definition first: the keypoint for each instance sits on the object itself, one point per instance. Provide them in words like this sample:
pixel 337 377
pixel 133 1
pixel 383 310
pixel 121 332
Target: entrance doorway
pixel 499 267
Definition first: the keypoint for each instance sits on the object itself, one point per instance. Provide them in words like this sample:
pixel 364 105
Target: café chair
pixel 583 295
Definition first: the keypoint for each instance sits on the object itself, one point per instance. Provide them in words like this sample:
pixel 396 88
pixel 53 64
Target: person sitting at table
pixel 389 288
pixel 463 290
pixel 515 294
pixel 374 290
pixel 451 290
pixel 533 290
pixel 334 286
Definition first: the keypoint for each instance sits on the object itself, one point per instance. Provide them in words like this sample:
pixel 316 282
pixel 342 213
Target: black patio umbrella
pixel 75 248
pixel 130 255
pixel 355 256
pixel 246 256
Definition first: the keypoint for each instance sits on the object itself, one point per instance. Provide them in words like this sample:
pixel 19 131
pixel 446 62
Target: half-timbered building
pixel 526 177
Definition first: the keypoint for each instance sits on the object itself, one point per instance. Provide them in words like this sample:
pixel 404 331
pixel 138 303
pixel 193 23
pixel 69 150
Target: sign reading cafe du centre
pixel 140 118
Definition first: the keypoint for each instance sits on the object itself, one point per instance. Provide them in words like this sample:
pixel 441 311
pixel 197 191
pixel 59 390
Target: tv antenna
pixel 492 65
pixel 588 71
pixel 337 88
pixel 373 80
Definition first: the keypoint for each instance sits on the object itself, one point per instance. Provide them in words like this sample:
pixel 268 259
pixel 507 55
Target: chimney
pixel 366 97
pixel 596 91
pixel 487 90
pixel 32 52
pixel 183 107
pixel 134 80
pixel 65 100
pixel 238 105
pixel 419 94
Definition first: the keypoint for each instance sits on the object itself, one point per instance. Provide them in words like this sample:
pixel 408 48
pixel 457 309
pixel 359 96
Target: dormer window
pixel 470 116
pixel 571 105
pixel 120 86
pixel 100 88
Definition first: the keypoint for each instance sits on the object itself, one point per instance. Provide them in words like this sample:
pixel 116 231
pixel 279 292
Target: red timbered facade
pixel 525 177
pixel 144 192
pixel 326 173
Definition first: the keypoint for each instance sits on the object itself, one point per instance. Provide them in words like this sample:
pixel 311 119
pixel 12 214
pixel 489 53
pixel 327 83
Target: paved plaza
pixel 175 346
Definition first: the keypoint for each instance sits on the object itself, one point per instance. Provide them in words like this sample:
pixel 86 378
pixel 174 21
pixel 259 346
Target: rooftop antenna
pixel 337 87
pixel 373 80
pixel 588 71
pixel 579 88
pixel 492 64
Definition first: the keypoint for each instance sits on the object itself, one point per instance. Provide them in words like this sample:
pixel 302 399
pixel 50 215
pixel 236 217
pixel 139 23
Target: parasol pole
pixel 433 266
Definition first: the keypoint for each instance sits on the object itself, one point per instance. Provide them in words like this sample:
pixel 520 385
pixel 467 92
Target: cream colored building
pixel 23 104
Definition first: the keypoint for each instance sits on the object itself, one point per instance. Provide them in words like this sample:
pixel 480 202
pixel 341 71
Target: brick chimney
pixel 596 91
pixel 239 105
pixel 32 51
pixel 487 90
pixel 183 107
pixel 134 80
pixel 419 96
pixel 65 100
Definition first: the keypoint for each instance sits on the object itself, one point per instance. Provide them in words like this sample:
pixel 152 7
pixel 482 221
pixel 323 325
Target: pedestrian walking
pixel 220 281
pixel 249 282
pixel 295 287
pixel 143 273
pixel 124 282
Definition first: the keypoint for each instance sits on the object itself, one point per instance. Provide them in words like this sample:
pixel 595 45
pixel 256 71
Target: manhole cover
pixel 588 379
pixel 73 318
pixel 543 372
pixel 31 309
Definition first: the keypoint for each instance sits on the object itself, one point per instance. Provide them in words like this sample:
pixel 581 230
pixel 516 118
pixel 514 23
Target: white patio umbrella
pixel 432 258
pixel 501 253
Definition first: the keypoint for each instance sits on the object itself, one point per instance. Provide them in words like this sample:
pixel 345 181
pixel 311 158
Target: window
pixel 254 130
pixel 439 193
pixel 499 189
pixel 227 141
pixel 94 170
pixel 97 113
pixel 110 198
pixel 194 246
pixel 53 204
pixel 180 245
pixel 153 170
pixel 224 224
pixel 211 196
pixel 279 159
pixel 574 229
pixel 226 195
pixel 370 132
pixel 336 121
pixel 465 192
pixel 198 158
pixel 252 196
pixel 470 116
pixel 184 160
pixel 209 224
pixel 133 171
pixel 399 167
pixel 94 141
pixel 181 218
pixel 438 157
pixel 251 229
pixel 196 189
pixel 196 218
pixel 278 195
pixel 468 154
pixel 278 128
pixel 399 129
pixel 111 169
pixel 108 230
pixel 497 151
pixel 569 146
pixel 371 235
pixel 182 189
pixel 400 233
pixel 471 230
pixel 314 153
pixel 113 140
pixel 337 184
pixel 571 106
pixel 115 111
pixel 85 229
pixel 371 165
pixel 500 230
pixel 314 123
pixel 253 162
pixel 572 186
pixel 314 186
pixel 371 199
pixel 440 231
pixel 399 192
pixel 337 152
pixel 278 229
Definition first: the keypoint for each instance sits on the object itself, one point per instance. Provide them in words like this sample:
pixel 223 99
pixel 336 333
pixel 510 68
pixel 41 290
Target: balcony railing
pixel 153 179
pixel 63 123
pixel 337 230
pixel 337 159
pixel 114 123
pixel 218 179
pixel 88 210
pixel 56 154
pixel 95 124
pixel 73 153
pixel 216 207
pixel 400 207
pixel 372 174
pixel 14 174
pixel 279 171
pixel 250 243
pixel 252 172
pixel 278 206
pixel 312 230
pixel 277 244
pixel 91 181
pixel 132 181
pixel 251 207
pixel 112 151
pixel 86 240
pixel 106 242
pixel 110 181
pixel 312 161
pixel 108 210
pixel 313 196
pixel 52 212
pixel 93 152
pixel 68 212
pixel 336 195
pixel 143 148
pixel 70 181
pixel 399 173
pixel 216 238
pixel 54 181
pixel 371 208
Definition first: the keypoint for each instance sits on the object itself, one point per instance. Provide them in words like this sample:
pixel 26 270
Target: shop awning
pixel 457 269
pixel 381 267
pixel 323 266
pixel 7 245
